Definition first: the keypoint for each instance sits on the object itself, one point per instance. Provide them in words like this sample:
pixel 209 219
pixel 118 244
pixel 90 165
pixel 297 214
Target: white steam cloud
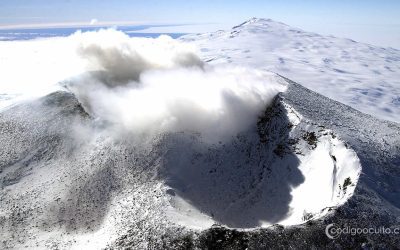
pixel 161 85
pixel 144 85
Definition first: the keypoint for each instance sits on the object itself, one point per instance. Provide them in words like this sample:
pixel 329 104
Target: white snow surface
pixel 69 181
pixel 363 76
pixel 224 195
pixel 66 183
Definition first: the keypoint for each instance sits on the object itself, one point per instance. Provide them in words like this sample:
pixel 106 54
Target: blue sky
pixel 371 21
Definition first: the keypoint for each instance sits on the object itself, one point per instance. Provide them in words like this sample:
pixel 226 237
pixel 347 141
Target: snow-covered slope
pixel 74 175
pixel 63 187
pixel 287 171
pixel 58 187
pixel 362 76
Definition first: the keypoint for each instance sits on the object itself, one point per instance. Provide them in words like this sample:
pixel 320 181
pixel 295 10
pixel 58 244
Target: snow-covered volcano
pixel 66 182
pixel 363 76
pixel 124 156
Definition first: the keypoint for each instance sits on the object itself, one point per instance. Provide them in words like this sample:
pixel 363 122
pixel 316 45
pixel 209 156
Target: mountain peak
pixel 259 21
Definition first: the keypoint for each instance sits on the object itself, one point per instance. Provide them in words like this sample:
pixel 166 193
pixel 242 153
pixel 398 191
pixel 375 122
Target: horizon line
pixel 89 24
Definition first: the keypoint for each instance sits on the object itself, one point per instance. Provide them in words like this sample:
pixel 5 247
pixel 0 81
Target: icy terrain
pixel 143 145
pixel 64 188
pixel 362 76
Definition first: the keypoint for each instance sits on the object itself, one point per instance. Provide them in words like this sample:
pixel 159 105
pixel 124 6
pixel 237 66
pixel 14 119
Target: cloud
pixel 140 85
pixel 150 86
pixel 123 59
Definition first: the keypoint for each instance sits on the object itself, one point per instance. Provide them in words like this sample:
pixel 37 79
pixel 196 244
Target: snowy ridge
pixel 64 192
pixel 60 192
pixel 362 76
pixel 289 173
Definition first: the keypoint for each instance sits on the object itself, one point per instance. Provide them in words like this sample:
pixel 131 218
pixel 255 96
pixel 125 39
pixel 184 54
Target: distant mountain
pixel 363 76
